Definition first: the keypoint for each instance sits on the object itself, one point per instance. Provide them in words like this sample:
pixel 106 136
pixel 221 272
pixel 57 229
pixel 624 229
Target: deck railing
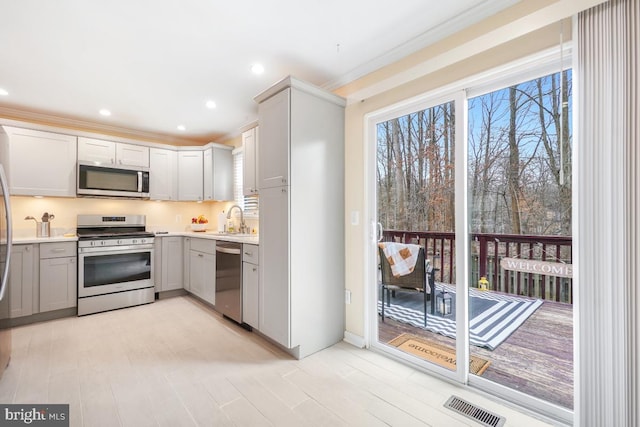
pixel 486 252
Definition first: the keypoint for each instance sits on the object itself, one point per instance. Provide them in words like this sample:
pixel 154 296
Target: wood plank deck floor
pixel 537 359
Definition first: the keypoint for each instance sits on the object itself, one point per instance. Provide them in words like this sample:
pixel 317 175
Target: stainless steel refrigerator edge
pixel 5 262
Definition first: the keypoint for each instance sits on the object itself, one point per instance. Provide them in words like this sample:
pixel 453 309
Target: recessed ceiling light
pixel 210 104
pixel 105 112
pixel 3 92
pixel 182 127
pixel 257 69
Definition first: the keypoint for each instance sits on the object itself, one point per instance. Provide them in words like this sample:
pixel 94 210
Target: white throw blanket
pixel 402 257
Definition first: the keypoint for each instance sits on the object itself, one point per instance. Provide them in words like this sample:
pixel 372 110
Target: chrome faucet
pixel 243 226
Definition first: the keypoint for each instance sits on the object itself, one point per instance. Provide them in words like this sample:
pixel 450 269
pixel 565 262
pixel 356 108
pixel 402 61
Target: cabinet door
pixel 275 296
pixel 250 295
pixel 274 117
pixel 157 264
pixel 163 174
pixel 96 150
pixel 58 283
pixel 132 155
pixel 218 174
pixel 207 174
pixel 41 163
pixel 21 281
pixel 190 179
pixel 171 263
pixel 249 159
pixel 186 262
pixel 202 275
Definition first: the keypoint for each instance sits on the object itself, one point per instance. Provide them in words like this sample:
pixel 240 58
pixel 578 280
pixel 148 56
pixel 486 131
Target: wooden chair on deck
pixel 416 281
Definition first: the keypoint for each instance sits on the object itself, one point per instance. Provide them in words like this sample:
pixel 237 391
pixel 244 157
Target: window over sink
pixel 249 204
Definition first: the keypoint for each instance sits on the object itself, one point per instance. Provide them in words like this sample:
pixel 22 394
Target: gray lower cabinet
pixel 250 286
pixel 21 281
pixel 202 269
pixel 58 276
pixel 171 264
pixel 186 265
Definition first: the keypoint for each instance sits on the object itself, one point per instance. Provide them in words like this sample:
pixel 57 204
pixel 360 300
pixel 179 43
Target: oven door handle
pixel 139 181
pixel 100 250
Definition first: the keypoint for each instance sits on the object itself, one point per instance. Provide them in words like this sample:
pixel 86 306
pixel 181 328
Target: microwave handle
pixel 139 182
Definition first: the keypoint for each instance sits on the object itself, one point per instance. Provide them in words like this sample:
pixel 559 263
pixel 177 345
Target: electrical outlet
pixel 347 296
pixel 178 218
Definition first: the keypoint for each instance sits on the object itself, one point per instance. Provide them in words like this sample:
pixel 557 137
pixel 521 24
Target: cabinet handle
pixel 248 253
pixel 255 269
pixel 27 248
pixel 112 162
pixel 58 250
pixel 72 260
pixel 201 256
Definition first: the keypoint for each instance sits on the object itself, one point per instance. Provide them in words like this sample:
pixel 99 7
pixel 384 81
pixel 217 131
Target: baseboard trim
pixel 354 340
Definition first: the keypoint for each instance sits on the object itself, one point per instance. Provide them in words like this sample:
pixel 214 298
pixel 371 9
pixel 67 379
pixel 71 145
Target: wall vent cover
pixel 470 410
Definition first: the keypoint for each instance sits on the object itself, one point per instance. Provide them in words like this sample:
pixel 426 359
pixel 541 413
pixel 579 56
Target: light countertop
pixel 212 235
pixel 22 240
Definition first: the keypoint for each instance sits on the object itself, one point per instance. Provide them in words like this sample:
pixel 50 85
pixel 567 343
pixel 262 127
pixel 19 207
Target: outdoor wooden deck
pixel 536 359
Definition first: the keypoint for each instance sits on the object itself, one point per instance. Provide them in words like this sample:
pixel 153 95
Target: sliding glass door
pixel 519 190
pixel 476 185
pixel 416 295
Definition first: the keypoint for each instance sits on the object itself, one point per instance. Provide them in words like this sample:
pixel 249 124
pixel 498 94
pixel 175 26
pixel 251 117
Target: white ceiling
pixel 154 63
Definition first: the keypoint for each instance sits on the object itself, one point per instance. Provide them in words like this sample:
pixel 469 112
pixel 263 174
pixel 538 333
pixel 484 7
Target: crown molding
pixel 432 35
pixel 46 120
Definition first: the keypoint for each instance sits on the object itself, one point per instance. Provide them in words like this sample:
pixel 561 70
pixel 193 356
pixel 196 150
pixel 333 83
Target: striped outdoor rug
pixel 493 317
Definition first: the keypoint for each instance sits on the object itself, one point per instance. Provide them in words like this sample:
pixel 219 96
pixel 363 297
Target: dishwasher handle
pixel 229 250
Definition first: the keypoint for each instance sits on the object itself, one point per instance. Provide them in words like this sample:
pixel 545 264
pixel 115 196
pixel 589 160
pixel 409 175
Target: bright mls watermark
pixel 34 415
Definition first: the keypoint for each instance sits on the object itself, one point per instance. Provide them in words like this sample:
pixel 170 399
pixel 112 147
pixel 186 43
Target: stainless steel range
pixel 115 262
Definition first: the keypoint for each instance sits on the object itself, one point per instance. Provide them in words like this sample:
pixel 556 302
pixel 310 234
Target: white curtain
pixel 608 226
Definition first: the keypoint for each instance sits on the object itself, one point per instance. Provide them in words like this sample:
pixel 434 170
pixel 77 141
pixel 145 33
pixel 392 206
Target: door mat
pixel 436 353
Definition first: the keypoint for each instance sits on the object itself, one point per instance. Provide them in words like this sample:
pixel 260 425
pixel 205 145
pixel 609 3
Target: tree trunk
pixel 400 199
pixel 514 164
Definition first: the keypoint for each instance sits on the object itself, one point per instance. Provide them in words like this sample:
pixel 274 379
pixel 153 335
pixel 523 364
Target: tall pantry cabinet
pixel 301 186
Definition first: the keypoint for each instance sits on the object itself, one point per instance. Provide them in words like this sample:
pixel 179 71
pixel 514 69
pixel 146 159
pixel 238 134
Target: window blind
pixel 249 204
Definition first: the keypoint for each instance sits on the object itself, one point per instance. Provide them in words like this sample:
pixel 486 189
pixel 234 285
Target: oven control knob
pixel 102 242
pixel 93 243
pixel 119 241
pixel 135 241
pixel 143 240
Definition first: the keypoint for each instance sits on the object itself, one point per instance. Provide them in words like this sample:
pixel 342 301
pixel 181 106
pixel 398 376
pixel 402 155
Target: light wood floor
pixel 177 363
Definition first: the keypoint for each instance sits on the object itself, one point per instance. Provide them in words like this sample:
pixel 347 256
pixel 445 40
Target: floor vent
pixel 470 410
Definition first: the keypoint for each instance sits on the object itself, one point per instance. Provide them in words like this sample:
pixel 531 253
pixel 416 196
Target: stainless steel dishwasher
pixel 229 279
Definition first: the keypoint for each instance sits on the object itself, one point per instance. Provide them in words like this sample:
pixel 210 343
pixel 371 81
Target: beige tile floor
pixel 178 363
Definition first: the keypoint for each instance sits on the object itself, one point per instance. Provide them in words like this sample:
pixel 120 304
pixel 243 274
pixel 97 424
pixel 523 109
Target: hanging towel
pixel 402 257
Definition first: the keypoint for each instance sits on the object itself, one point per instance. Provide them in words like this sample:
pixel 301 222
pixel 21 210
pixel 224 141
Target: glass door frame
pixel 527 68
pixel 458 97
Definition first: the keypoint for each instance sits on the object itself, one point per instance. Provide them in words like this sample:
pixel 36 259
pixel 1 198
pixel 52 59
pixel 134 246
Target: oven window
pixel 118 268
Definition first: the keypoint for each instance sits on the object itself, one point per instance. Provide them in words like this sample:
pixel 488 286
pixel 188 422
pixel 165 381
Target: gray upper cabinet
pixel 105 152
pixel 274 117
pixel 218 174
pixel 163 174
pixel 190 176
pixel 38 163
pixel 250 161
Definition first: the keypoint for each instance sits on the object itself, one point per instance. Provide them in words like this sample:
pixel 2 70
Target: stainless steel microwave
pixel 112 181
